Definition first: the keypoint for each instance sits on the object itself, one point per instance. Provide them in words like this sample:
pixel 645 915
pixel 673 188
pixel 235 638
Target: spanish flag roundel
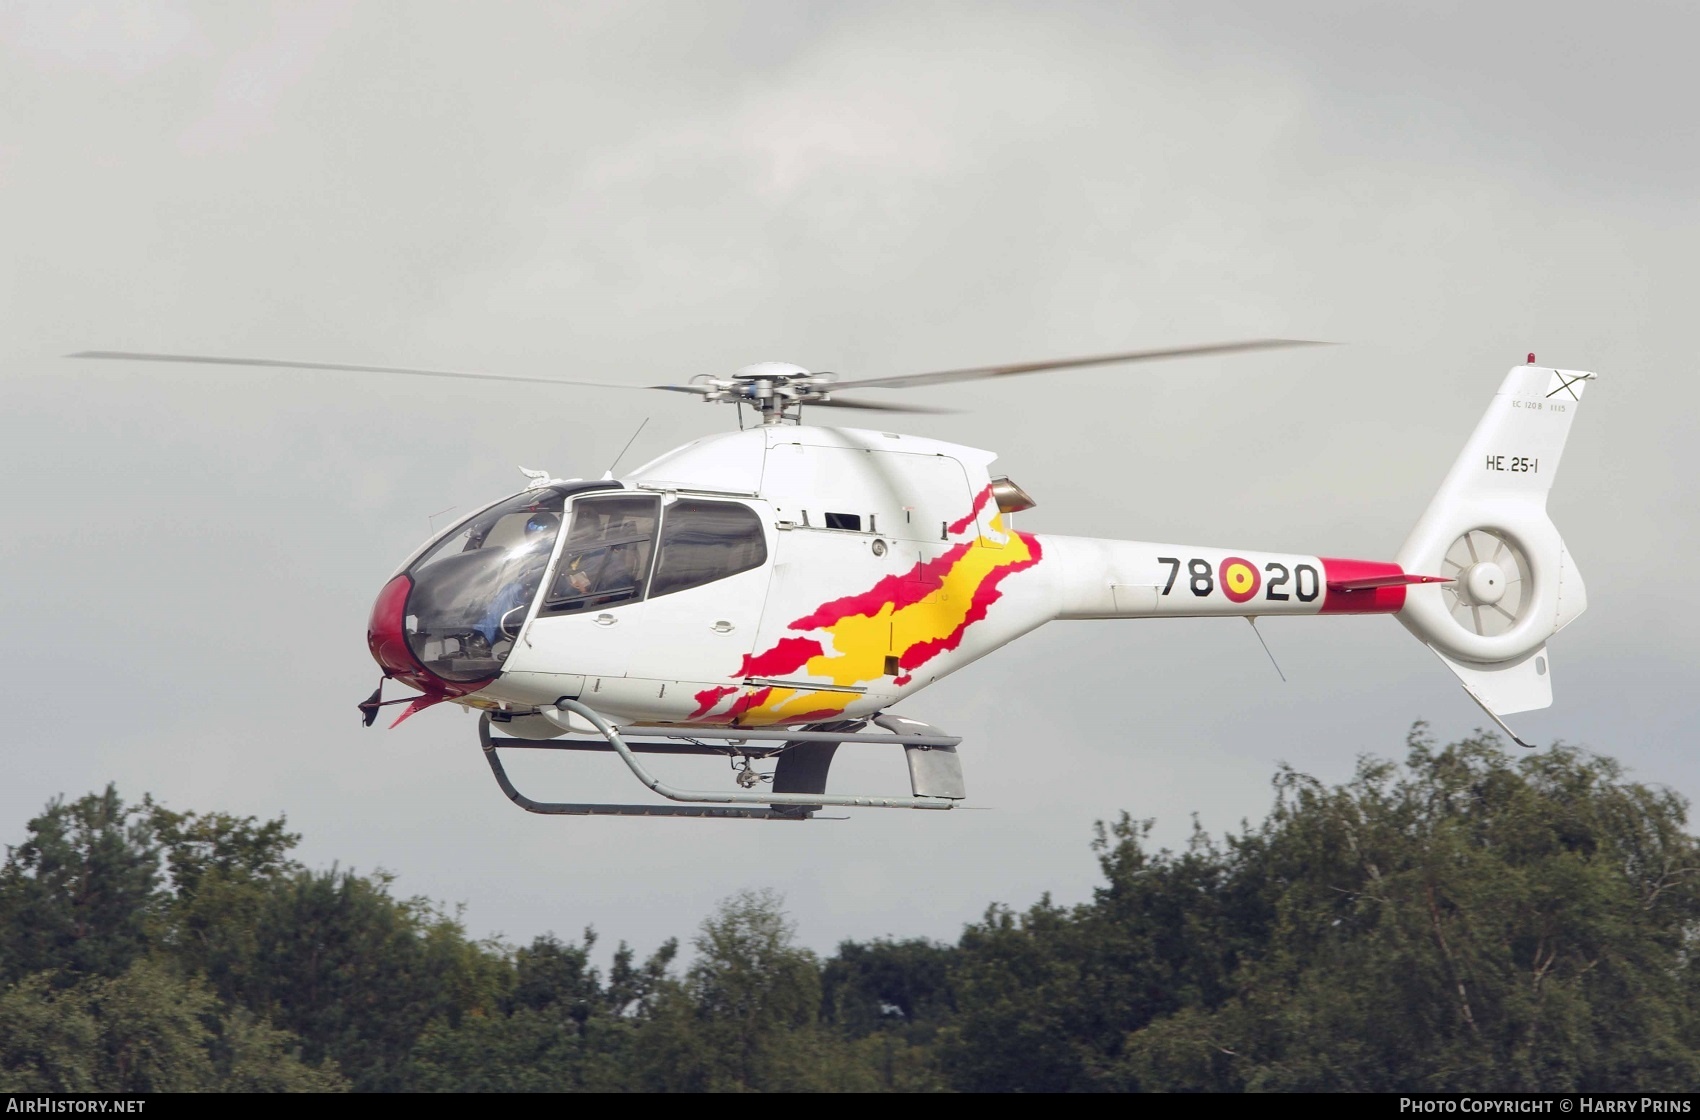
pixel 1239 579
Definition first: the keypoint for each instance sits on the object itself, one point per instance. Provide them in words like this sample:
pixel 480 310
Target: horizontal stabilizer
pixel 1397 579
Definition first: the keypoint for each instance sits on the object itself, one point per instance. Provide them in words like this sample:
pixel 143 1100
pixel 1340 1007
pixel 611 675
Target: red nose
pixel 387 639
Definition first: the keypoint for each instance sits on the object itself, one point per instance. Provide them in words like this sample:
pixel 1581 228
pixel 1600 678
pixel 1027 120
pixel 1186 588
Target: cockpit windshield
pixel 472 590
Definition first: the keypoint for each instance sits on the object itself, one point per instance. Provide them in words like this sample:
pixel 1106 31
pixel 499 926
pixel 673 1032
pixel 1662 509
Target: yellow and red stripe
pixel 914 616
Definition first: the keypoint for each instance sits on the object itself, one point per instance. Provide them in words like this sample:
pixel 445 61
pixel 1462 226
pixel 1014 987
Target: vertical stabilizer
pixel 1514 584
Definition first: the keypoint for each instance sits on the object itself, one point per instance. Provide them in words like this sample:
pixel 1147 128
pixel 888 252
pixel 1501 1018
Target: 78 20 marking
pixel 1304 580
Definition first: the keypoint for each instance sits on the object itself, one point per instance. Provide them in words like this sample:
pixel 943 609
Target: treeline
pixel 1465 920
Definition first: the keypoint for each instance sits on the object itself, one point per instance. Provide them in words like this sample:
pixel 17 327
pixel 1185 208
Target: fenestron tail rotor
pixel 1490 588
pixel 776 391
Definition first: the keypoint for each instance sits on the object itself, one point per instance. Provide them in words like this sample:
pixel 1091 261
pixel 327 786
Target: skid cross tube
pixel 812 800
pixel 714 803
pixel 599 809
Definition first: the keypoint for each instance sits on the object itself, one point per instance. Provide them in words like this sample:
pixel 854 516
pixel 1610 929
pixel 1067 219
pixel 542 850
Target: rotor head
pixel 775 390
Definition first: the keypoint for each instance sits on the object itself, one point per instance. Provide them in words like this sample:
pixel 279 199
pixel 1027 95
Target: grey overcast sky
pixel 635 192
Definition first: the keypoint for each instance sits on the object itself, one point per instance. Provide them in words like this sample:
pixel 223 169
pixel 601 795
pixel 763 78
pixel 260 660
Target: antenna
pixel 1251 618
pixel 609 473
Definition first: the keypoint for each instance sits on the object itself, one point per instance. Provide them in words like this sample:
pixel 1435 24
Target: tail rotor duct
pixel 1491 590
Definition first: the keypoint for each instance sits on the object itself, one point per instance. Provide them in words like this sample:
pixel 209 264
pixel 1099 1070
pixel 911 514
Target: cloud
pixel 120 39
pixel 253 80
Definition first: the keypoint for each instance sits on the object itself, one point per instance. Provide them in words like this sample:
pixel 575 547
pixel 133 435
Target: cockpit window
pixel 472 589
pixel 605 559
pixel 705 541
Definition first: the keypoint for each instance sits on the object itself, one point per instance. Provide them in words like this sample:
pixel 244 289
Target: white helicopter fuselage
pixel 888 565
pixel 785 575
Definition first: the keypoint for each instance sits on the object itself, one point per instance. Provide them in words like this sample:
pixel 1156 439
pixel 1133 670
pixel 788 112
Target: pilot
pixel 530 557
pixel 611 569
pixel 541 522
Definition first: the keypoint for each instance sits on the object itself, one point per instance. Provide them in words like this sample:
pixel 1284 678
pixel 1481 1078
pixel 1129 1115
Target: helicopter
pixel 771 593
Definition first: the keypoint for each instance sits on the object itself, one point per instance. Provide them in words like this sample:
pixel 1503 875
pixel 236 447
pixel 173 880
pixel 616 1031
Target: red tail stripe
pixel 1371 597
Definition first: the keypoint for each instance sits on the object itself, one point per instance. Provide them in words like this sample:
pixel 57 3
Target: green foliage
pixel 751 984
pixel 107 955
pixel 885 985
pixel 153 1030
pixel 1468 923
pixel 49 1043
pixel 888 999
pixel 556 1028
pixel 526 1051
pixel 745 1017
pixel 77 895
pixel 357 973
pixel 198 845
pixel 1464 921
pixel 146 1030
pixel 252 1056
pixel 1028 1005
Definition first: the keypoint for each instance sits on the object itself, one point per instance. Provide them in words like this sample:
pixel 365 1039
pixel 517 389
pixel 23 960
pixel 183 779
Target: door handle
pixel 723 627
pixel 606 620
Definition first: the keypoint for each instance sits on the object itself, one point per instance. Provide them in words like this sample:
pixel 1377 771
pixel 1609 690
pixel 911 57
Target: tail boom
pixel 1484 580
pixel 1134 579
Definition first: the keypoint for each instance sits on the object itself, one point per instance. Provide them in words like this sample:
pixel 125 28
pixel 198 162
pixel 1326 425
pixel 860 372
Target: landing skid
pixel 799 781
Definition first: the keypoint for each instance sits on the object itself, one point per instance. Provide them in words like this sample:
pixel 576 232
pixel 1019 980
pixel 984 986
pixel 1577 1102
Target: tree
pixel 149 1029
pixel 1468 923
pixel 746 1016
pixel 558 1028
pixel 76 895
pixel 887 984
pixel 1464 921
pixel 358 974
pixel 198 845
pixel 888 1000
pixel 1028 998
pixel 526 1051
pixel 222 870
pixel 49 1043
pixel 250 1055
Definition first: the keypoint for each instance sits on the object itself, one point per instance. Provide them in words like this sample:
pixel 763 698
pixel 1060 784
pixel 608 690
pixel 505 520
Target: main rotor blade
pixel 872 406
pixel 941 377
pixel 274 363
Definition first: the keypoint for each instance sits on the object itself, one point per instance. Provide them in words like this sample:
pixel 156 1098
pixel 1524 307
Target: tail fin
pixel 1514 584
